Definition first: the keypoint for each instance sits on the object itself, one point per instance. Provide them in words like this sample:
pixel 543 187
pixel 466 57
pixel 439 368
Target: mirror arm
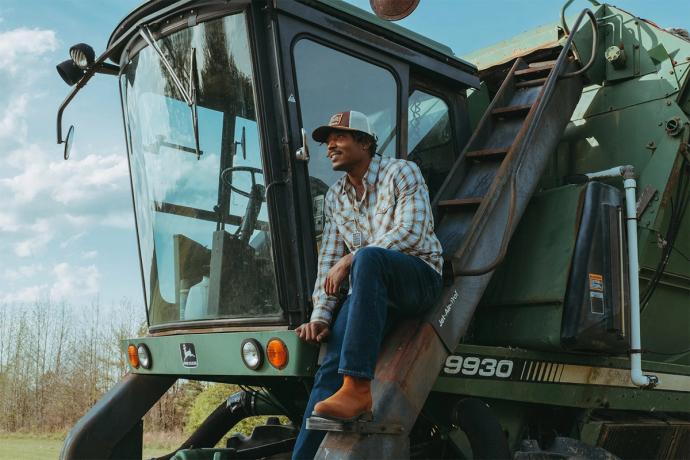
pixel 99 66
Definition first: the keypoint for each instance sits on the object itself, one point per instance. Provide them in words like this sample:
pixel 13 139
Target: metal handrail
pixel 547 92
pixel 565 7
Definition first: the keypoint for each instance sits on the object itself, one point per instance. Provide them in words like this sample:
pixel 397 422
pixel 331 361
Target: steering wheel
pixel 226 177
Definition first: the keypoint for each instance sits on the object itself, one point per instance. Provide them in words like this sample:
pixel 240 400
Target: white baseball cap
pixel 343 121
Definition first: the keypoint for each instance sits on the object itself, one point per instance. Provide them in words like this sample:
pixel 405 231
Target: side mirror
pixel 68 142
pixel 393 10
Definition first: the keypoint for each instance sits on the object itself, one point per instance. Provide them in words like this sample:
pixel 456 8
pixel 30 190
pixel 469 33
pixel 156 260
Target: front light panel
pixel 252 355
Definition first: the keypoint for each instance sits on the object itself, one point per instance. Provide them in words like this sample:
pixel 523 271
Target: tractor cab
pixel 228 185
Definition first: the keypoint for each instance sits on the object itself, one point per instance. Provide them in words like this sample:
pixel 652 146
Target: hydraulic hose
pixel 228 413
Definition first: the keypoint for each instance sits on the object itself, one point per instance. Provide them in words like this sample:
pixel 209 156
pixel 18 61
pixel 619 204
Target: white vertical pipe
pixel 629 184
pixel 636 375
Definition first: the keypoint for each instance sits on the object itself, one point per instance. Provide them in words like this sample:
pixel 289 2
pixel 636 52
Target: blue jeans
pixel 385 285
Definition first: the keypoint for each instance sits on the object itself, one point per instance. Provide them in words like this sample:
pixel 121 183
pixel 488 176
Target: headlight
pixel 82 55
pixel 251 354
pixel 70 72
pixel 144 356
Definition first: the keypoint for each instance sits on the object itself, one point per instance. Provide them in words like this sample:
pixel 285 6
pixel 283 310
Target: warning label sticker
pixel 596 282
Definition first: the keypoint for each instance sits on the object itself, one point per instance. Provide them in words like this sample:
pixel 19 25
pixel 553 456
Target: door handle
pixel 302 153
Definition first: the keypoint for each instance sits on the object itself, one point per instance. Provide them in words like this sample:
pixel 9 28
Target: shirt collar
pixel 370 177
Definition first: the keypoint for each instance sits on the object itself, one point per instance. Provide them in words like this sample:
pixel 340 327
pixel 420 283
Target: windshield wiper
pixel 189 93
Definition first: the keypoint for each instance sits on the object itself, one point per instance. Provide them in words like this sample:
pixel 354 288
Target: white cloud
pixel 13 118
pixel 70 283
pixel 24 295
pixel 89 254
pixel 8 222
pixel 123 220
pixel 43 233
pixel 19 46
pixel 67 182
pixel 72 239
pixel 73 281
pixel 23 272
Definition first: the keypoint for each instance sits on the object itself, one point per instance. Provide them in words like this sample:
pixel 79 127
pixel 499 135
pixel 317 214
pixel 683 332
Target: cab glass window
pixel 429 138
pixel 331 81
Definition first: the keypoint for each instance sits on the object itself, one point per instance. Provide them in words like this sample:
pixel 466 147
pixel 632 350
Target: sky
pixel 67 227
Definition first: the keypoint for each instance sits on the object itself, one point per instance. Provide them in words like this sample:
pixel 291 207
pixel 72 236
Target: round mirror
pixel 68 141
pixel 393 10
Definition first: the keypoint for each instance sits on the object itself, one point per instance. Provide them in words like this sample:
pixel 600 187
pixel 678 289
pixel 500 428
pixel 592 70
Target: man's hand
pixel 337 274
pixel 313 332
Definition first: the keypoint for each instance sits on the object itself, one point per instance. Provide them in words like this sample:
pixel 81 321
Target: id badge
pixel 357 239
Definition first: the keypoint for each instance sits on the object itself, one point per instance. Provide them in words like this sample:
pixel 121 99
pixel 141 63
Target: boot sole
pixel 367 416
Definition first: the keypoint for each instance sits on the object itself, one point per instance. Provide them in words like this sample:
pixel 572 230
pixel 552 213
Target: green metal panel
pixel 523 303
pixel 538 261
pixel 477 102
pixel 534 326
pixel 598 387
pixel 218 354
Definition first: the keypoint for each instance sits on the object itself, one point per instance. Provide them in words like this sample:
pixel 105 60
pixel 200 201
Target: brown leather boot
pixel 351 402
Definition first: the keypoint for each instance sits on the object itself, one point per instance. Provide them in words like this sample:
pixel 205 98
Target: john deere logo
pixel 188 354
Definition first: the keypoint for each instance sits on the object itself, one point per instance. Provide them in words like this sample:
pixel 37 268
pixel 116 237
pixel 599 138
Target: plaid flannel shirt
pixel 394 213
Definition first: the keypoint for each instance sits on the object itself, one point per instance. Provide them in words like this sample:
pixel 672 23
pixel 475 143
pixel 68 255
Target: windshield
pixel 202 220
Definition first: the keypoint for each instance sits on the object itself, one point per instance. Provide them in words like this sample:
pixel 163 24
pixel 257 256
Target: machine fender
pixel 115 417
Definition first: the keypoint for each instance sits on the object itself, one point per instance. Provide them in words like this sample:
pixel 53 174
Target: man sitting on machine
pixel 379 231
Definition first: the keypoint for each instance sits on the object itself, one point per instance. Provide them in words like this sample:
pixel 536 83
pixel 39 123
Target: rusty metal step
pixel 533 71
pixel 530 83
pixel 550 63
pixel 461 202
pixel 487 154
pixel 512 111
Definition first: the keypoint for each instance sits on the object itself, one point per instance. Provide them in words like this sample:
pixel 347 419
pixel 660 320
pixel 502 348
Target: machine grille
pixel 658 440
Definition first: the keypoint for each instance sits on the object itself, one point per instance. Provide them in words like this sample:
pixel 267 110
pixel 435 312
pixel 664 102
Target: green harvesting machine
pixel 559 172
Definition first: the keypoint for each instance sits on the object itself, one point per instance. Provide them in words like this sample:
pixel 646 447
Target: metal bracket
pixel 644 200
pixel 358 426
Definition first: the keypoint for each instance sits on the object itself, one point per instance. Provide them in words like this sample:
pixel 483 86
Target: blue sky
pixel 66 228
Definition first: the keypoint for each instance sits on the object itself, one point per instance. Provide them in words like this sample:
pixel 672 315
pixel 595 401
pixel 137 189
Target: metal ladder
pixel 477 209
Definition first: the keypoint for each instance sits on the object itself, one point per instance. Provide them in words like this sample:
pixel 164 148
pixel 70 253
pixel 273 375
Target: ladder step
pixel 461 202
pixel 532 71
pixel 487 154
pixel 530 83
pixel 550 63
pixel 513 110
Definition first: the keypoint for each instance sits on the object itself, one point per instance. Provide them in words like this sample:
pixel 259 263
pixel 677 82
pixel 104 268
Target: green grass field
pixel 27 447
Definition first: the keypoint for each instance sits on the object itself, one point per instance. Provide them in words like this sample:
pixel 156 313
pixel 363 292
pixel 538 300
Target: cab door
pixel 326 72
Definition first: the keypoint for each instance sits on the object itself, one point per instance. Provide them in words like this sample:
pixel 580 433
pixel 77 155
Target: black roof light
pixel 70 72
pixel 82 55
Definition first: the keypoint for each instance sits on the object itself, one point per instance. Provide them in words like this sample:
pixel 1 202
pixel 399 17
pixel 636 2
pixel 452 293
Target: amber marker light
pixel 133 355
pixel 277 353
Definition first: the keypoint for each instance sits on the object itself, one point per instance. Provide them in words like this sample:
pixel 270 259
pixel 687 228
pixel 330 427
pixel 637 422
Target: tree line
pixel 57 360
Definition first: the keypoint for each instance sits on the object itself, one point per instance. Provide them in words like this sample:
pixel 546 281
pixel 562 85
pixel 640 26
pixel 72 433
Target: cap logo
pixel 335 119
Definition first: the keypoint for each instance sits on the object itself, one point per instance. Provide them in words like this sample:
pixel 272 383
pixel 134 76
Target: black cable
pixel 679 205
pixel 262 396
